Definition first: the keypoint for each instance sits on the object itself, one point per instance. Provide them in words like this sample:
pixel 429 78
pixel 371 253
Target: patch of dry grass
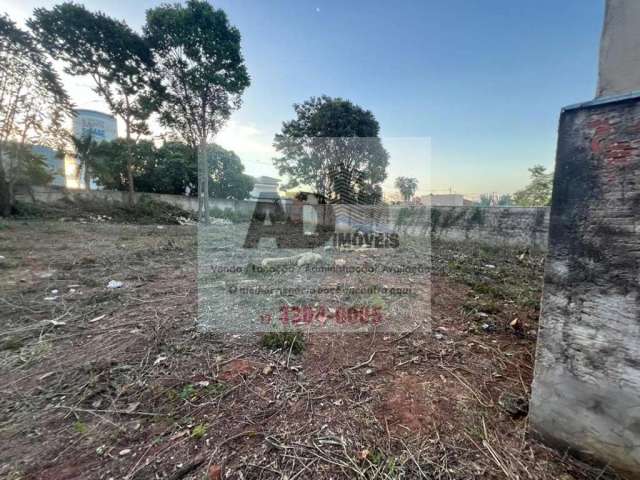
pixel 101 383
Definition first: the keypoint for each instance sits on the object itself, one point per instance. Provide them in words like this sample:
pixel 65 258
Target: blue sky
pixel 484 80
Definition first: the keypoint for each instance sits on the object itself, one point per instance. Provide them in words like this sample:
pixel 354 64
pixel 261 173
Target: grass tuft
pixel 285 340
pixel 199 431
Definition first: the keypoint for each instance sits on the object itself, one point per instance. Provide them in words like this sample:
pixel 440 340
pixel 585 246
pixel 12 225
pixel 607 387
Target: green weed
pixel 198 431
pixel 285 340
pixel 80 427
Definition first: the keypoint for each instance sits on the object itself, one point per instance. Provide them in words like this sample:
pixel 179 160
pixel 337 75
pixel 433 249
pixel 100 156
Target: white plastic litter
pixel 97 319
pixel 160 359
pixel 114 284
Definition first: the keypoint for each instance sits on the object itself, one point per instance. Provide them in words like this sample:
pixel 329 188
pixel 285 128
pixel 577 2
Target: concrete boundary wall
pixel 516 227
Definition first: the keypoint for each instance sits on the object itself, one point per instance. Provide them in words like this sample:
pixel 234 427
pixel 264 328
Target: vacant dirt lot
pixel 117 383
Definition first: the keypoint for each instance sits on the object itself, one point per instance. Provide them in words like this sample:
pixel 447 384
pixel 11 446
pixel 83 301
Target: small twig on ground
pixel 467 386
pixel 117 412
pixel 187 469
pixel 405 335
pixel 407 361
pixel 306 467
pixel 363 364
pixel 290 349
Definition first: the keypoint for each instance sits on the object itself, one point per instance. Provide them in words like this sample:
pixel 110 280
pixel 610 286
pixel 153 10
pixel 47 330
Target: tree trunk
pixel 87 177
pixel 203 183
pixel 5 197
pixel 11 195
pixel 130 185
pixel 32 194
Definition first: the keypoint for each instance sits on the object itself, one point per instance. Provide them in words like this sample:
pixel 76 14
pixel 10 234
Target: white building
pixel 102 127
pixel 55 163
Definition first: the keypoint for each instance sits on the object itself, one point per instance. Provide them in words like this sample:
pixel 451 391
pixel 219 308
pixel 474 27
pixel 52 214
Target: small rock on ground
pixel 309 258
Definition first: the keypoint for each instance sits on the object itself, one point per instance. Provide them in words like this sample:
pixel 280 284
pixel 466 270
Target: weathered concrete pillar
pixel 586 389
pixel 620 49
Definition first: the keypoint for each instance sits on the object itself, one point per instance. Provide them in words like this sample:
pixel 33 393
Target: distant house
pixel 265 186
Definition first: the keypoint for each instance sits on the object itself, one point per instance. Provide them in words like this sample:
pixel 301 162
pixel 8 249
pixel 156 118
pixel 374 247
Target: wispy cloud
pixel 253 146
pixel 246 140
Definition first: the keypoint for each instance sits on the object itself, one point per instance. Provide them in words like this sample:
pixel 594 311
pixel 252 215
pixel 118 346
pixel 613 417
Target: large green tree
pixel 333 147
pixel 538 192
pixel 33 109
pixel 201 75
pixel 114 56
pixel 171 168
pixel 174 170
pixel 122 161
pixel 407 187
pixel 227 177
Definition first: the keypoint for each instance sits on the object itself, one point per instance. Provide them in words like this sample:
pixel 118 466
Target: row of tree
pixel 33 104
pixel 171 168
pixel 537 193
pixel 503 200
pixel 186 67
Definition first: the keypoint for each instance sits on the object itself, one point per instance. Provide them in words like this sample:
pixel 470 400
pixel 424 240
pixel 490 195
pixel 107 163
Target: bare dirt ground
pixel 99 383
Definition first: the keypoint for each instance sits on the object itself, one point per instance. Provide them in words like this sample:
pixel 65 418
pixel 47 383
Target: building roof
pixel 265 179
pixel 80 111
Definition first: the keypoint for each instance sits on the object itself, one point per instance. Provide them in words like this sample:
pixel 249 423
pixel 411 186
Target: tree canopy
pixel 120 160
pixel 505 200
pixel 333 147
pixel 117 59
pixel 227 177
pixel 174 170
pixel 538 192
pixel 171 168
pixel 33 109
pixel 407 187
